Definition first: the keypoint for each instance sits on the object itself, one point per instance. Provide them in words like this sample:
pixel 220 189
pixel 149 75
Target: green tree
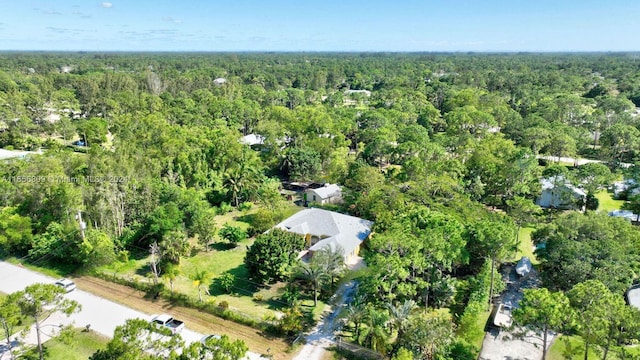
pixel 138 339
pixel 619 141
pixel 215 349
pixel 633 205
pixel 313 273
pixel 232 234
pixel 590 300
pixel 201 280
pixel 227 281
pixel 581 247
pixel 594 176
pixel 543 311
pixel 171 272
pixel 15 231
pixel 400 315
pixel 174 245
pixel 272 254
pixel 204 227
pixel 10 318
pixel 40 301
pixel 302 163
pixel 491 239
pixel 376 332
pixel 428 335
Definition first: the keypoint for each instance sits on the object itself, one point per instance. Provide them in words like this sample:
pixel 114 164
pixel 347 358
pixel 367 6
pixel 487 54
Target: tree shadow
pixel 222 246
pixel 241 286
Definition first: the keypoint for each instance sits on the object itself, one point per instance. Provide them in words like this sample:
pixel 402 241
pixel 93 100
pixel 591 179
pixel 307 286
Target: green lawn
pixel 220 259
pixel 607 202
pixel 80 346
pixel 574 346
pixel 526 246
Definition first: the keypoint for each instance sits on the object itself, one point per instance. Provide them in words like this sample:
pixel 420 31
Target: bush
pixel 232 234
pixel 245 206
pixel 225 208
pixel 223 305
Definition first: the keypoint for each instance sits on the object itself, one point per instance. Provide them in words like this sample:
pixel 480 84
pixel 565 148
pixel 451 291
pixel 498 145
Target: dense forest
pixel 443 152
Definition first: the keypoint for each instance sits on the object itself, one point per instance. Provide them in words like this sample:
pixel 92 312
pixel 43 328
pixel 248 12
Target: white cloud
pixel 106 5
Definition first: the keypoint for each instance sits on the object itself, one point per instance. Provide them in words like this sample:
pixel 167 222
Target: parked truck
pixel 163 321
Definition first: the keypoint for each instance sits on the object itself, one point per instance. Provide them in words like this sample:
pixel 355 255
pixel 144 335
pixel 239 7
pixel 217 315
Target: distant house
pixel 626 214
pixel 323 228
pixel 252 140
pixel 327 194
pixel 633 296
pixel 219 81
pixel 625 189
pixel 558 193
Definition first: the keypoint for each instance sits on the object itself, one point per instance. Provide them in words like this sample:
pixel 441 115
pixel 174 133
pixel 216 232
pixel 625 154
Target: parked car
pixel 66 284
pixel 168 322
pixel 206 338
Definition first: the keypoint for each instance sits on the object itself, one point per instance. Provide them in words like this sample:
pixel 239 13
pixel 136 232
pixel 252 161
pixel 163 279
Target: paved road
pixel 577 161
pixel 322 335
pixel 103 315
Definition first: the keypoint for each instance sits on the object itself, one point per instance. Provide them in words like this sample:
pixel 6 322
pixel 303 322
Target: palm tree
pixel 313 273
pixel 376 336
pixel 201 279
pixel 355 314
pixel 332 260
pixel 174 244
pixel 400 315
pixel 171 273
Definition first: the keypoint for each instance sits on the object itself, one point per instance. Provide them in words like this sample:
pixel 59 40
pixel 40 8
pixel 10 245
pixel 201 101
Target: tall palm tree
pixel 171 273
pixel 313 273
pixel 201 280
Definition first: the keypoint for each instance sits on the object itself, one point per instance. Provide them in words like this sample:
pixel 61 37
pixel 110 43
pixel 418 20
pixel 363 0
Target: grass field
pixel 222 258
pixel 607 202
pixel 572 347
pixel 80 346
pixel 526 246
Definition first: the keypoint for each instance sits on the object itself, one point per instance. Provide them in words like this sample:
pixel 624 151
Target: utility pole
pixel 82 224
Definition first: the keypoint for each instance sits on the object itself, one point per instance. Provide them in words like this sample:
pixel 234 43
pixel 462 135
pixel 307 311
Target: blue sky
pixel 329 25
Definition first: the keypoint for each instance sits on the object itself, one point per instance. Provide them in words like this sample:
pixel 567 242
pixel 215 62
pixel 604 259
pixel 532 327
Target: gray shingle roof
pixel 338 230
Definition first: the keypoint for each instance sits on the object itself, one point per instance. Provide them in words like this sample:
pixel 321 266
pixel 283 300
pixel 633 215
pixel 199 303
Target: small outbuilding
pixel 327 194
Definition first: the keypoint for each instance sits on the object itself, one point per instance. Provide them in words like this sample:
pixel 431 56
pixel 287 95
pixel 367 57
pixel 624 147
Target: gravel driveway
pixel 103 315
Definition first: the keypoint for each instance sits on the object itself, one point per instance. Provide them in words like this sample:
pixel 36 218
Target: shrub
pixel 223 305
pixel 245 206
pixel 225 208
pixel 232 234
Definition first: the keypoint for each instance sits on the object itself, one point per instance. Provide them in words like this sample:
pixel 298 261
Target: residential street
pixel 322 335
pixel 103 315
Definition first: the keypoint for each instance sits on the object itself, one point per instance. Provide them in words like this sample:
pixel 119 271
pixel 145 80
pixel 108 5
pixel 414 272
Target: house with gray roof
pixel 327 194
pixel 323 228
pixel 559 193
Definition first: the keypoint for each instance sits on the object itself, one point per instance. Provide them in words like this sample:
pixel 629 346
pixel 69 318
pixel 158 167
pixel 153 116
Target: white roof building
pixel 323 228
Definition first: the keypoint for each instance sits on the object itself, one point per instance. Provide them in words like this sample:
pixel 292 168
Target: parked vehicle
pixel 502 318
pixel 168 322
pixel 205 339
pixel 66 284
